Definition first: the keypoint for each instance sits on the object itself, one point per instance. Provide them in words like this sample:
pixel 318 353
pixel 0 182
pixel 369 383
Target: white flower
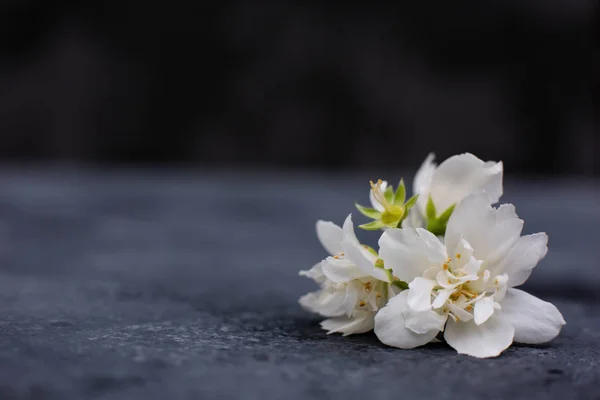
pixel 465 286
pixel 450 182
pixel 353 289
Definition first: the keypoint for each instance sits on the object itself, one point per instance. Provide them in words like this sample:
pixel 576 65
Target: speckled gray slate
pixel 164 285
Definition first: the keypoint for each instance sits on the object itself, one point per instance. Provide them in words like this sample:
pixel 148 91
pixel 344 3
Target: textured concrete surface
pixel 155 285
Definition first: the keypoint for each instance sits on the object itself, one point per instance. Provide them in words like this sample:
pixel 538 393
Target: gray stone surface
pixel 166 285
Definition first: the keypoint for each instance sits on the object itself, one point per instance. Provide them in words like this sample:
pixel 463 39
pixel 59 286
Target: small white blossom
pixel 389 206
pixel 454 179
pixel 464 286
pixel 352 289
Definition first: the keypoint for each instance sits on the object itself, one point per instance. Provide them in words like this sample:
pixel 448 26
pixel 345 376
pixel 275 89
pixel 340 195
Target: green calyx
pixel 437 224
pixel 392 215
pixel 395 208
pixel 400 284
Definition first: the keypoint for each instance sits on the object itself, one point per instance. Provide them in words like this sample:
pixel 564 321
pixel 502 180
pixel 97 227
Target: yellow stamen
pixel 361 304
pixel 468 293
pixel 378 193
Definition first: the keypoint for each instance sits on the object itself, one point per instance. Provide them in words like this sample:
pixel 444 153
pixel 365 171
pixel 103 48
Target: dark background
pixel 327 86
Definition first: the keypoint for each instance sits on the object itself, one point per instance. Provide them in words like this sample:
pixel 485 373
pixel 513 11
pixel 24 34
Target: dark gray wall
pixel 278 83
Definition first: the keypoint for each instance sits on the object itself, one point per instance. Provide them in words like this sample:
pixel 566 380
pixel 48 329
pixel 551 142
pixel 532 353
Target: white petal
pixel 459 313
pixel 486 340
pixel 506 211
pixel 442 298
pixel 351 298
pixel 360 323
pixel 461 253
pixel 409 252
pixel 365 261
pixel 422 182
pixel 380 274
pixel 325 302
pixel 315 273
pixel 484 308
pixel 359 255
pixel 535 320
pixel 431 272
pixel 340 270
pixel 310 301
pixel 472 267
pixel 490 232
pixel 390 326
pixel 500 282
pixel 462 175
pixel 330 236
pixel 481 284
pixel 414 219
pixel 505 234
pixel 422 322
pixel 467 221
pixel 493 172
pixel 522 258
pixel 447 280
pixel 419 294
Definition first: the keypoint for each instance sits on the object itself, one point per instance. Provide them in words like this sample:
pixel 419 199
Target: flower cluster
pixel 447 266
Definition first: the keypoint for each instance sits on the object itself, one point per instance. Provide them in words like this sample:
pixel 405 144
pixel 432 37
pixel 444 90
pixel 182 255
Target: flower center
pixel 372 294
pixel 461 284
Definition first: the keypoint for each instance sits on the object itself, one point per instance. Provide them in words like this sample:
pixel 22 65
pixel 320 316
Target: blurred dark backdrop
pixel 301 85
